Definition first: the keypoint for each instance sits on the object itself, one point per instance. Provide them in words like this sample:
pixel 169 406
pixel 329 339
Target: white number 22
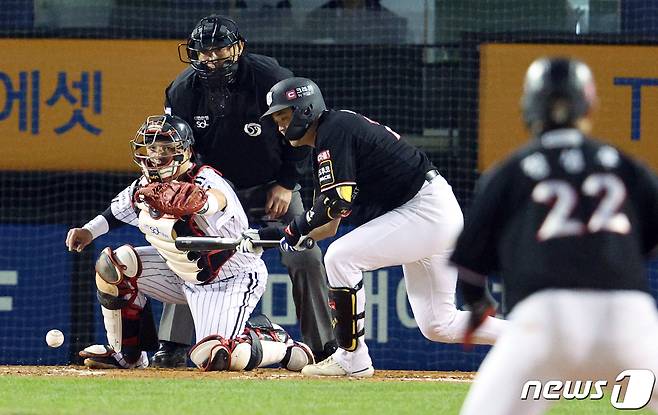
pixel 606 216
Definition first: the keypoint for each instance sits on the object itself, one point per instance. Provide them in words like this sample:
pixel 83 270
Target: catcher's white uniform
pixel 221 288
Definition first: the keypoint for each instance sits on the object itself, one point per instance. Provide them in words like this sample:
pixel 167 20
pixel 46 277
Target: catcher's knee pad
pixel 212 353
pixel 342 302
pixel 115 273
pixel 113 266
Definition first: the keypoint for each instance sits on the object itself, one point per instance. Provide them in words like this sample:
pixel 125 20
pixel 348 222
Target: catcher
pixel 175 197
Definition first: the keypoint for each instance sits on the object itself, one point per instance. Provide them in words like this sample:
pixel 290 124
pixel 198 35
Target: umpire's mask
pixel 213 50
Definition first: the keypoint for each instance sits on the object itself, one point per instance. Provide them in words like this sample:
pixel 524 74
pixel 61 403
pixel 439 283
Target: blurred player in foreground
pixel 175 197
pixel 406 212
pixel 567 222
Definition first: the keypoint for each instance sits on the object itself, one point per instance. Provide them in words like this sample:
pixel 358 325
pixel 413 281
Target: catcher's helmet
pixel 161 146
pixel 213 32
pixel 305 99
pixel 556 92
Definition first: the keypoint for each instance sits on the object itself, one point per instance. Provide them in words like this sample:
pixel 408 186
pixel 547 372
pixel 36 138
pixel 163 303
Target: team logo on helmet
pixel 252 129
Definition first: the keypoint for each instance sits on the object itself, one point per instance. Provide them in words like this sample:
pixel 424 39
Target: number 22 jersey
pixel 564 211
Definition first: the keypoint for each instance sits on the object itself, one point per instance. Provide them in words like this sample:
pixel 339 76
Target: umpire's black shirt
pixel 246 150
pixel 351 149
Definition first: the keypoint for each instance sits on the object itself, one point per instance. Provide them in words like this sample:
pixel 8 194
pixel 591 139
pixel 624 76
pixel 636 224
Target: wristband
pixel 97 226
pixel 211 207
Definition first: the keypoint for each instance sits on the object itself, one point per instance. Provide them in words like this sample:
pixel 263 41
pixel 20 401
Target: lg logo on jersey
pixel 636 385
pixel 252 129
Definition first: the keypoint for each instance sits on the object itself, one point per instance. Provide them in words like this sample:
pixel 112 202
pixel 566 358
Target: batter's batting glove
pixel 291 234
pixel 246 246
pixel 304 243
pixel 294 236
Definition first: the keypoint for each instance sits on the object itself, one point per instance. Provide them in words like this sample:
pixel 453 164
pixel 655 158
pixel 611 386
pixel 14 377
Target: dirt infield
pixel 261 374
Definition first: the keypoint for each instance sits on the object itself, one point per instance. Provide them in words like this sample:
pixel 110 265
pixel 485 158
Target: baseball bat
pixel 211 243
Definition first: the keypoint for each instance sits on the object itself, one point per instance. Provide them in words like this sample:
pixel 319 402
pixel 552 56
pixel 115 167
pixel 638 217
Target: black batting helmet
pixel 213 32
pixel 161 146
pixel 305 99
pixel 557 91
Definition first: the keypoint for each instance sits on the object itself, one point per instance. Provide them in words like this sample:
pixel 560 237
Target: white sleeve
pixel 122 205
pixel 210 179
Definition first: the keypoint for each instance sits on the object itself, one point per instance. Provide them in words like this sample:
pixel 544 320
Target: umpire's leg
pixel 176 324
pixel 310 293
pixel 176 333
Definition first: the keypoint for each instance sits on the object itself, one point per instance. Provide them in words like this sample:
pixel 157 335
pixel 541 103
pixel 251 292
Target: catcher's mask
pixel 203 49
pixel 162 146
pixel 305 99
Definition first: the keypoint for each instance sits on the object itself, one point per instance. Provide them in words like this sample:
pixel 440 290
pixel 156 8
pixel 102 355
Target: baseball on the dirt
pixel 55 338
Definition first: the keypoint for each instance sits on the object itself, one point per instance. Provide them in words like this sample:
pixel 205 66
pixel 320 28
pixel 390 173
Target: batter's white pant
pixel 221 307
pixel 419 235
pixel 565 335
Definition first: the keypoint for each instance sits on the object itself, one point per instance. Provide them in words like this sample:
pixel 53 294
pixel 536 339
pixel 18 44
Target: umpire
pixel 222 95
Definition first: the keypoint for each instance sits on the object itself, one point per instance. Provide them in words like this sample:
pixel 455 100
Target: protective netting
pixel 412 65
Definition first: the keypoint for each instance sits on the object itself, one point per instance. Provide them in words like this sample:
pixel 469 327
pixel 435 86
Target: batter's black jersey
pixel 565 211
pixel 351 149
pixel 248 151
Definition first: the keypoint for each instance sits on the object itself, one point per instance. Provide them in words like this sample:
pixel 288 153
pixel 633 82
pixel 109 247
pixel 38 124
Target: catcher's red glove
pixel 173 198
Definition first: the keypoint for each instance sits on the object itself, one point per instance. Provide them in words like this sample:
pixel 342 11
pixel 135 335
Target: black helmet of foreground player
pixel 305 99
pixel 212 33
pixel 557 92
pixel 162 147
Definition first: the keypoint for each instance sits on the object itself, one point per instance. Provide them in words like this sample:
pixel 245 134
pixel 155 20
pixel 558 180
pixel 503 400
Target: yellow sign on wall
pixel 627 85
pixel 76 104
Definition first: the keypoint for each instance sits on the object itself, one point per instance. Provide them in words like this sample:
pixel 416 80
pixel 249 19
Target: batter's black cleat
pixel 170 355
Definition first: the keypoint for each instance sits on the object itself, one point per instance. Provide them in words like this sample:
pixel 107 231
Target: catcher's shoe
pixel 330 367
pixel 170 355
pixel 100 356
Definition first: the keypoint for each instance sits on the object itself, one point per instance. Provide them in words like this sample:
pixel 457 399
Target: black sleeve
pixel 267 71
pixel 179 97
pixel 645 194
pixel 112 221
pixel 477 246
pixel 294 160
pixel 167 99
pixel 336 161
pixel 281 73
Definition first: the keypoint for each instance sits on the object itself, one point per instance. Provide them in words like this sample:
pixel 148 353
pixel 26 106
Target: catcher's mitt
pixel 173 198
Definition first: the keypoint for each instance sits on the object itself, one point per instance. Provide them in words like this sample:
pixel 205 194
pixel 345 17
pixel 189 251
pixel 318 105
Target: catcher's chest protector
pixel 160 233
